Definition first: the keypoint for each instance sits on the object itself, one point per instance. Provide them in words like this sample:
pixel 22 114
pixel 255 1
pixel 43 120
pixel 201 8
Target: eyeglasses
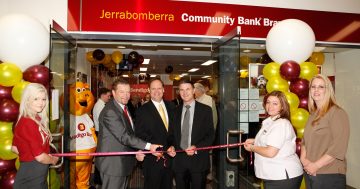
pixel 320 87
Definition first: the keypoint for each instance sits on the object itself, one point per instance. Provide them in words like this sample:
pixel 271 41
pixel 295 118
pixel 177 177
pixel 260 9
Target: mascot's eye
pixel 78 90
pixel 83 89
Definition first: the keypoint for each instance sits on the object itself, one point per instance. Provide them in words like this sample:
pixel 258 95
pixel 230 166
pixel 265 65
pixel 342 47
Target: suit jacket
pixel 202 135
pixel 116 135
pixel 150 127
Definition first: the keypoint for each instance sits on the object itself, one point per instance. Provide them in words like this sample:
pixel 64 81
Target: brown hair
pixel 117 82
pixel 285 107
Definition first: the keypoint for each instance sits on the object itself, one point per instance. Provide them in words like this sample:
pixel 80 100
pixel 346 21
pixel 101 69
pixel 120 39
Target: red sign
pixel 198 18
pixel 142 89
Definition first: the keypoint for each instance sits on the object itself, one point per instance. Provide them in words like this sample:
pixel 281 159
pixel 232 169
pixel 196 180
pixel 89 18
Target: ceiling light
pixel 193 70
pixel 207 76
pixel 183 74
pixel 121 47
pixel 146 61
pixel 186 48
pixel 125 75
pixel 247 51
pixel 142 69
pixel 152 75
pixel 209 62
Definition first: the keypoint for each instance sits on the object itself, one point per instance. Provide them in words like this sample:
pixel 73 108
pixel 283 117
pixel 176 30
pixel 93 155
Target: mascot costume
pixel 82 134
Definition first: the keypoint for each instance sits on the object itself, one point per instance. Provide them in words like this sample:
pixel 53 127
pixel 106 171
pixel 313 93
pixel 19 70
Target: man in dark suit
pixel 193 128
pixel 116 134
pixel 153 120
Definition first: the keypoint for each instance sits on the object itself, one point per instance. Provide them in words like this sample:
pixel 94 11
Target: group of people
pixel 323 147
pixel 173 133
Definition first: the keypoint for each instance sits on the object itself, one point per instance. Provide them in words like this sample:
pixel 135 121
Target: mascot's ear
pixel 86 86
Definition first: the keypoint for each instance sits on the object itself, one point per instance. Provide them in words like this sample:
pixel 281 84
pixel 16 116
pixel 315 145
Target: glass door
pixel 62 66
pixel 227 52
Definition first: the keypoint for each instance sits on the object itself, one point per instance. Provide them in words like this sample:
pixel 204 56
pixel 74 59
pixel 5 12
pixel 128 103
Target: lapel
pixel 120 113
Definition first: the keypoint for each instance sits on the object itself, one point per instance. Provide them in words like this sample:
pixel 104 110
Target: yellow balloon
pixel 5 149
pixel 271 70
pixel 277 84
pixel 300 133
pixel 107 59
pixel 10 74
pixel 245 61
pixel 117 57
pixel 317 58
pixel 17 163
pixel 5 130
pixel 89 56
pixel 177 77
pixel 172 77
pixel 303 185
pixel 293 100
pixel 299 118
pixel 244 74
pixel 53 179
pixel 308 70
pixel 18 89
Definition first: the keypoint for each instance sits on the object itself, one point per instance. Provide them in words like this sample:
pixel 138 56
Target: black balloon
pixel 169 69
pixel 133 57
pixel 6 165
pixel 9 110
pixel 5 92
pixel 290 70
pixel 98 54
pixel 140 59
pixel 300 87
pixel 7 180
pixel 265 58
pixel 37 74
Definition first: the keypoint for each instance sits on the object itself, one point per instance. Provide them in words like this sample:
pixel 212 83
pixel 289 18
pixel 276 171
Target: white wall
pixel 347 87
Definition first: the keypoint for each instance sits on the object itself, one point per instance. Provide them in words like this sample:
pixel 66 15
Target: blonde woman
pixel 32 139
pixel 326 137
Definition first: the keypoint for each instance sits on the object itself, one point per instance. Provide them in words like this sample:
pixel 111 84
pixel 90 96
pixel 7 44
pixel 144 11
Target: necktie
pixel 126 115
pixel 162 115
pixel 184 143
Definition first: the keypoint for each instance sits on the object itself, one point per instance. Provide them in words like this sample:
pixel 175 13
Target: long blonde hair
pixel 29 94
pixel 329 99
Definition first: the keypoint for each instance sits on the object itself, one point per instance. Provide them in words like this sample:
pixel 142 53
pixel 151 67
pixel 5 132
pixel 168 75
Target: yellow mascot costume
pixel 82 134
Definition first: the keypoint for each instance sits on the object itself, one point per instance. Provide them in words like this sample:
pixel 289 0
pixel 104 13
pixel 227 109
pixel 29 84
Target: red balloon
pixel 304 103
pixel 298 146
pixel 5 92
pixel 290 70
pixel 6 165
pixel 9 110
pixel 300 87
pixel 37 74
pixel 7 180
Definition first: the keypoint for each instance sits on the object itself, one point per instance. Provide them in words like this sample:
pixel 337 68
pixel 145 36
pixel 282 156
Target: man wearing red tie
pixel 116 134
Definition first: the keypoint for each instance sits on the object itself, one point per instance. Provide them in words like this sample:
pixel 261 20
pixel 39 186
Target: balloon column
pixel 20 66
pixel 289 43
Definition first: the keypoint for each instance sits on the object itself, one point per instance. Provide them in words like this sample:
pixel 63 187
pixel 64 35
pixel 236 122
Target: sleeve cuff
pixel 147 147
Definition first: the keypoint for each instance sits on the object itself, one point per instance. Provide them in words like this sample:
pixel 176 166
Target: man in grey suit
pixel 116 134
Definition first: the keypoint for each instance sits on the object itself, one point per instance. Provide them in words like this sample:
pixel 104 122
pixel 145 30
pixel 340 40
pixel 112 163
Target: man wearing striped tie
pixel 153 123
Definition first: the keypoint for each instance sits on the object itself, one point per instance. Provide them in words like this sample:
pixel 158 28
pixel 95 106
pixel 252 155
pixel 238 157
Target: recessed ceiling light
pixel 246 50
pixel 152 75
pixel 125 75
pixel 186 48
pixel 207 76
pixel 209 62
pixel 146 61
pixel 193 70
pixel 142 69
pixel 121 47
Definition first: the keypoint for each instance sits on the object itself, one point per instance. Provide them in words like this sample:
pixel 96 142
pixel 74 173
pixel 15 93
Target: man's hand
pixel 140 157
pixel 190 151
pixel 154 147
pixel 171 151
